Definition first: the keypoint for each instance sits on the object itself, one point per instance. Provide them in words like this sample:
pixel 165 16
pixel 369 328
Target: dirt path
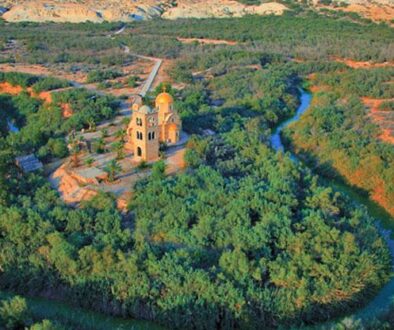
pixel 148 83
pixel 363 64
pixel 208 41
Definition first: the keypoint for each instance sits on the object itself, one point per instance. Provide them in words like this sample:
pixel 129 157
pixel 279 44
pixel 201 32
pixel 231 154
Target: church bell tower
pixel 145 134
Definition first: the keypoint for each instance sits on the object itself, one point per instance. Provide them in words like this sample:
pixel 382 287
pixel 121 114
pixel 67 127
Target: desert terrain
pixel 119 10
pixel 127 11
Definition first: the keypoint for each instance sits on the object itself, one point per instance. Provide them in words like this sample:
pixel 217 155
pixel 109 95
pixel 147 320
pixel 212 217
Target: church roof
pixel 164 98
pixel 146 110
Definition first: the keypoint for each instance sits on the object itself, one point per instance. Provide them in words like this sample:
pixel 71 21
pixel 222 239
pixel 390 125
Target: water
pixel 275 139
pixel 11 126
pixel 386 224
pixel 79 317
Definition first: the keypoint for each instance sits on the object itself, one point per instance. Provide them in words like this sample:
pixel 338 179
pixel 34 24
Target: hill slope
pixel 121 10
pixel 124 10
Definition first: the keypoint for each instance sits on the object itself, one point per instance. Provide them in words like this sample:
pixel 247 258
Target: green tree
pixel 121 134
pixel 112 169
pixel 75 149
pixel 118 147
pixel 14 313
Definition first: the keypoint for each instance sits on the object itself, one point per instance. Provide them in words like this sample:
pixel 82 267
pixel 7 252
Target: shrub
pixel 14 313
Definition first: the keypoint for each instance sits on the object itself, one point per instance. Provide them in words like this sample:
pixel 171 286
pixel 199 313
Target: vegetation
pixel 335 136
pixel 98 76
pixel 306 35
pixel 85 43
pixel 38 84
pixel 250 2
pixel 14 313
pixel 42 127
pixel 244 238
pixel 112 169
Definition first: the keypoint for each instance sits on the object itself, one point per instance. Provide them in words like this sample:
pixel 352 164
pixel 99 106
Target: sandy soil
pixel 124 10
pixel 375 12
pixel 90 10
pixel 73 189
pixel 41 70
pixel 222 8
pixel 363 64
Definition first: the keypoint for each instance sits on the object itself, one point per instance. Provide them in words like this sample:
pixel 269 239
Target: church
pixel 151 126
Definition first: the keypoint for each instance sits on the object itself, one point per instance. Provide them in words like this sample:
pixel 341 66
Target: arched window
pixel 149 136
pixel 139 121
pixel 139 152
pixel 153 135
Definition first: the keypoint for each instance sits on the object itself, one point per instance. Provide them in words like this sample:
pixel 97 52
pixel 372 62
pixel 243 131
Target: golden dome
pixel 164 98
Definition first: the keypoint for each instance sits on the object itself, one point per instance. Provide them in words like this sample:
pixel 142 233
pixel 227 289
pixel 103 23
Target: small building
pixel 148 127
pixel 28 163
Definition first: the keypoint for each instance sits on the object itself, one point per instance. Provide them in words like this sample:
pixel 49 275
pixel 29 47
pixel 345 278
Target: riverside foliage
pixel 335 136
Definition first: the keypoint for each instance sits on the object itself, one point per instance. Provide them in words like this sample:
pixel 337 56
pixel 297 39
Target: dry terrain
pixel 374 10
pixel 383 118
pixel 122 10
pixel 207 41
pixel 363 64
pixel 136 10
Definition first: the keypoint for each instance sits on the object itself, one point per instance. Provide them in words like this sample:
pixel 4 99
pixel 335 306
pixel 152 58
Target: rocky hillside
pixel 126 10
pixel 134 10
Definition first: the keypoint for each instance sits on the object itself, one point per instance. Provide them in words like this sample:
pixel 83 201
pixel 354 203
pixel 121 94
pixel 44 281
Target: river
pixel 80 318
pixel 11 126
pixel 386 295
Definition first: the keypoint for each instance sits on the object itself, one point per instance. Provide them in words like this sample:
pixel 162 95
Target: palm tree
pixel 121 134
pixel 112 169
pixel 118 148
pixel 75 149
pixel 92 125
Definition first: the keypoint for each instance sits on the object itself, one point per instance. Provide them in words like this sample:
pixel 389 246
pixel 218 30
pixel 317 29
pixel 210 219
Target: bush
pixel 49 83
pixel 99 76
pixel 19 79
pixel 14 313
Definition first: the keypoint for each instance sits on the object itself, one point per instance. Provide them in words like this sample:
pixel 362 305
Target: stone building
pixel 169 122
pixel 148 127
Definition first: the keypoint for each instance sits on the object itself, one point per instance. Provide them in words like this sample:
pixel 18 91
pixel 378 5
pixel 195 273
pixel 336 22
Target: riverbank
pixel 386 224
pixel 80 318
